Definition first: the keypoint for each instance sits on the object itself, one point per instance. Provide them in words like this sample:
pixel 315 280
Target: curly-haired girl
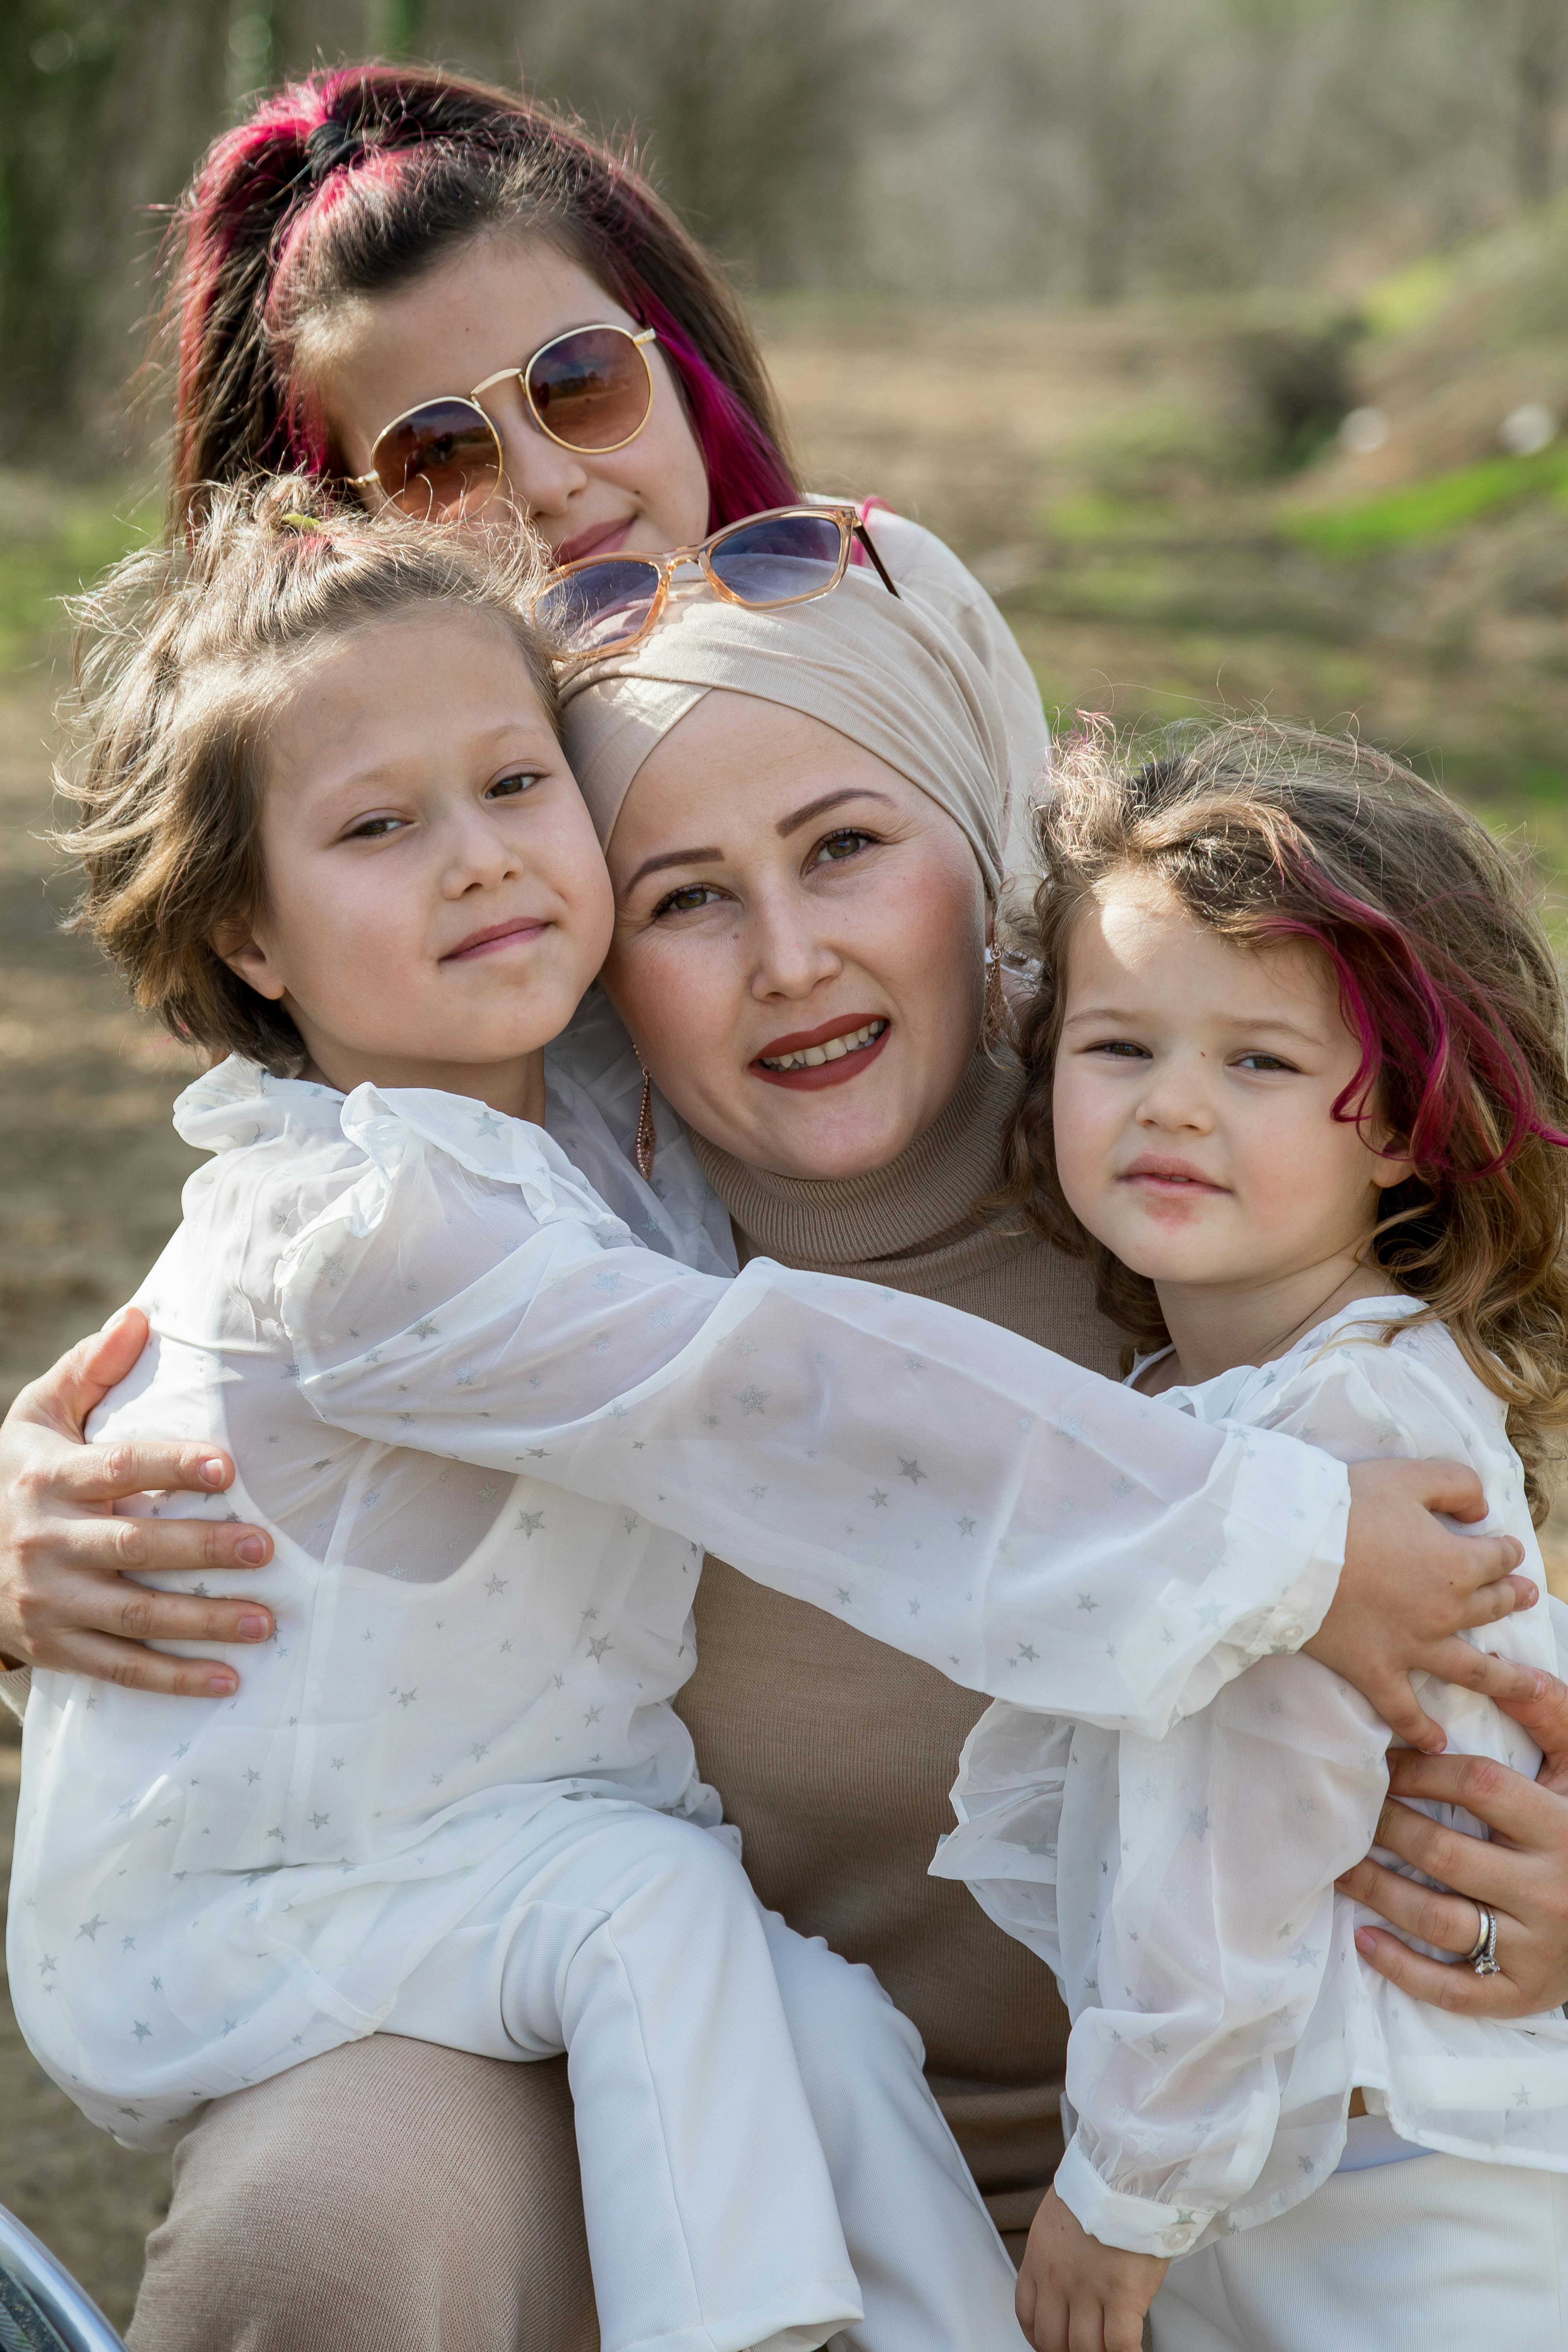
pixel 1297 1089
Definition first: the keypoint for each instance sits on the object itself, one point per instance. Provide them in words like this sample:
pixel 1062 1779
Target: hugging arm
pixel 1519 1872
pixel 943 1484
pixel 63 1600
pixel 1407 1586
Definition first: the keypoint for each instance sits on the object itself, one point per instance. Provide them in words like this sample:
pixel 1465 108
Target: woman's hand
pixel 1410 1585
pixel 62 1602
pixel 1521 1871
pixel 1077 2296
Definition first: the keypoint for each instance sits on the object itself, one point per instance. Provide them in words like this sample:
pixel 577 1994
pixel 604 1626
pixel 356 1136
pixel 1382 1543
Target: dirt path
pixel 90 1167
pixel 90 1179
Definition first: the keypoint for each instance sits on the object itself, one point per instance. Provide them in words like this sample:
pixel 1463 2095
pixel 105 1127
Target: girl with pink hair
pixel 376 242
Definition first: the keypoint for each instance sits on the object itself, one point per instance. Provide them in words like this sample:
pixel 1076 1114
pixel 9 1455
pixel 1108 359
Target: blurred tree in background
pixel 1050 148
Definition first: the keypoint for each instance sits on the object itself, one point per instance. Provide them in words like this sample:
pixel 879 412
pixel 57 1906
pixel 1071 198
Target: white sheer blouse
pixel 1181 1888
pixel 491 1434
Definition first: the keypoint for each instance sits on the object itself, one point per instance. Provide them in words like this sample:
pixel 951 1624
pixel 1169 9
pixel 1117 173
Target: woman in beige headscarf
pixel 805 814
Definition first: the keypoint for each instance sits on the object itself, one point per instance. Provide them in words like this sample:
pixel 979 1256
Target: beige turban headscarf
pixel 886 671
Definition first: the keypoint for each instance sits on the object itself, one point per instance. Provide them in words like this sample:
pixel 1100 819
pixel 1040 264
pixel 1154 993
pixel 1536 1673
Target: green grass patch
pixel 1411 296
pixel 1086 518
pixel 52 543
pixel 1423 511
pixel 1520 782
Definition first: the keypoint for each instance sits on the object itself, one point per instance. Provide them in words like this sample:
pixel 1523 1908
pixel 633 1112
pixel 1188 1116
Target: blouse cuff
pixel 1140 2225
pixel 14 1684
pixel 1292 1620
pixel 1302 1606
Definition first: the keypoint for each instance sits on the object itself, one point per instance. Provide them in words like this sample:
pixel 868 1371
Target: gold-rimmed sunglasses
pixel 589 390
pixel 603 604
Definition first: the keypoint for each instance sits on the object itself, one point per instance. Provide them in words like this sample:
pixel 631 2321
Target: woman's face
pixel 799 943
pixel 489 305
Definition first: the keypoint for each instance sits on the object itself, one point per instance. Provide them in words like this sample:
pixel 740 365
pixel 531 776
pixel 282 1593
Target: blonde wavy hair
pixel 1269 834
pixel 183 653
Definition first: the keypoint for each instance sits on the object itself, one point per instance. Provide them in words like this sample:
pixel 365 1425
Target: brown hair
pixel 355 182
pixel 181 655
pixel 1270 834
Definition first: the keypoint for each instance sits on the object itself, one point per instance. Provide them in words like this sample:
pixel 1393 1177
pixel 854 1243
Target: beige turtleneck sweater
pixel 835 1754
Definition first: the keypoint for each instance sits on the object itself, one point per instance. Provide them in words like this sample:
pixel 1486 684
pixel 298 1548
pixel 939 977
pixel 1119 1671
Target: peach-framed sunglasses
pixel 602 604
pixel 589 390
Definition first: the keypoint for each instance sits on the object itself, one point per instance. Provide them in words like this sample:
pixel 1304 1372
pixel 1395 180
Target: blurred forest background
pixel 1228 340
pixel 1010 149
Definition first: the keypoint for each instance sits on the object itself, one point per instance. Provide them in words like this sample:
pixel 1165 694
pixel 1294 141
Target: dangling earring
pixel 642 1150
pixel 994 1019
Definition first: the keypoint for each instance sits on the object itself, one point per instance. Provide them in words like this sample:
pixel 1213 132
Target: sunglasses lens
pixel 601 606
pixel 591 389
pixel 779 559
pixel 443 461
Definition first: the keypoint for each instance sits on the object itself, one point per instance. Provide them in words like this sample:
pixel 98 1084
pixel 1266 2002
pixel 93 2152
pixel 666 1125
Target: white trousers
pixel 1437 2254
pixel 762 2163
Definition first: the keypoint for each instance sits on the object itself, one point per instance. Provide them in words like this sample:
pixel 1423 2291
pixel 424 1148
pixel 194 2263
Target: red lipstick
pixel 871 1032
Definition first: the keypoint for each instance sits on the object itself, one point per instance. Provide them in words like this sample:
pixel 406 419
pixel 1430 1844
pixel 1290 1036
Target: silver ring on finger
pixel 1482 1954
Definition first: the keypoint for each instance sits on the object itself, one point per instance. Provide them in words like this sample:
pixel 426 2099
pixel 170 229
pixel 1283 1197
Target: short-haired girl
pixel 329 828
pixel 1298 1088
pixel 453 1801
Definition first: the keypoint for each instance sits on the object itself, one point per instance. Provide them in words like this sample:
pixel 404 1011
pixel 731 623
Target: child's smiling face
pixel 1193 1096
pixel 437 902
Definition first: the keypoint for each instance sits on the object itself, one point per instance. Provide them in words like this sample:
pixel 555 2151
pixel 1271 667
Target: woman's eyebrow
pixel 783 828
pixel 674 858
pixel 788 824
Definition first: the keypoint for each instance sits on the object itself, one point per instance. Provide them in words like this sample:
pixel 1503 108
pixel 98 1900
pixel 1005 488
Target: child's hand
pixel 1077 2296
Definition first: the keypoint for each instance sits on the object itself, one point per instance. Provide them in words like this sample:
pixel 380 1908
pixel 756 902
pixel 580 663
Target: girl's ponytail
pixel 237 221
pixel 228 409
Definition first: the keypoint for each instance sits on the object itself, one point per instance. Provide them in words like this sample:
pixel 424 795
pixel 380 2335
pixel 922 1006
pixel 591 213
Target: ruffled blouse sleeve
pixel 1183 1890
pixel 940 1483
